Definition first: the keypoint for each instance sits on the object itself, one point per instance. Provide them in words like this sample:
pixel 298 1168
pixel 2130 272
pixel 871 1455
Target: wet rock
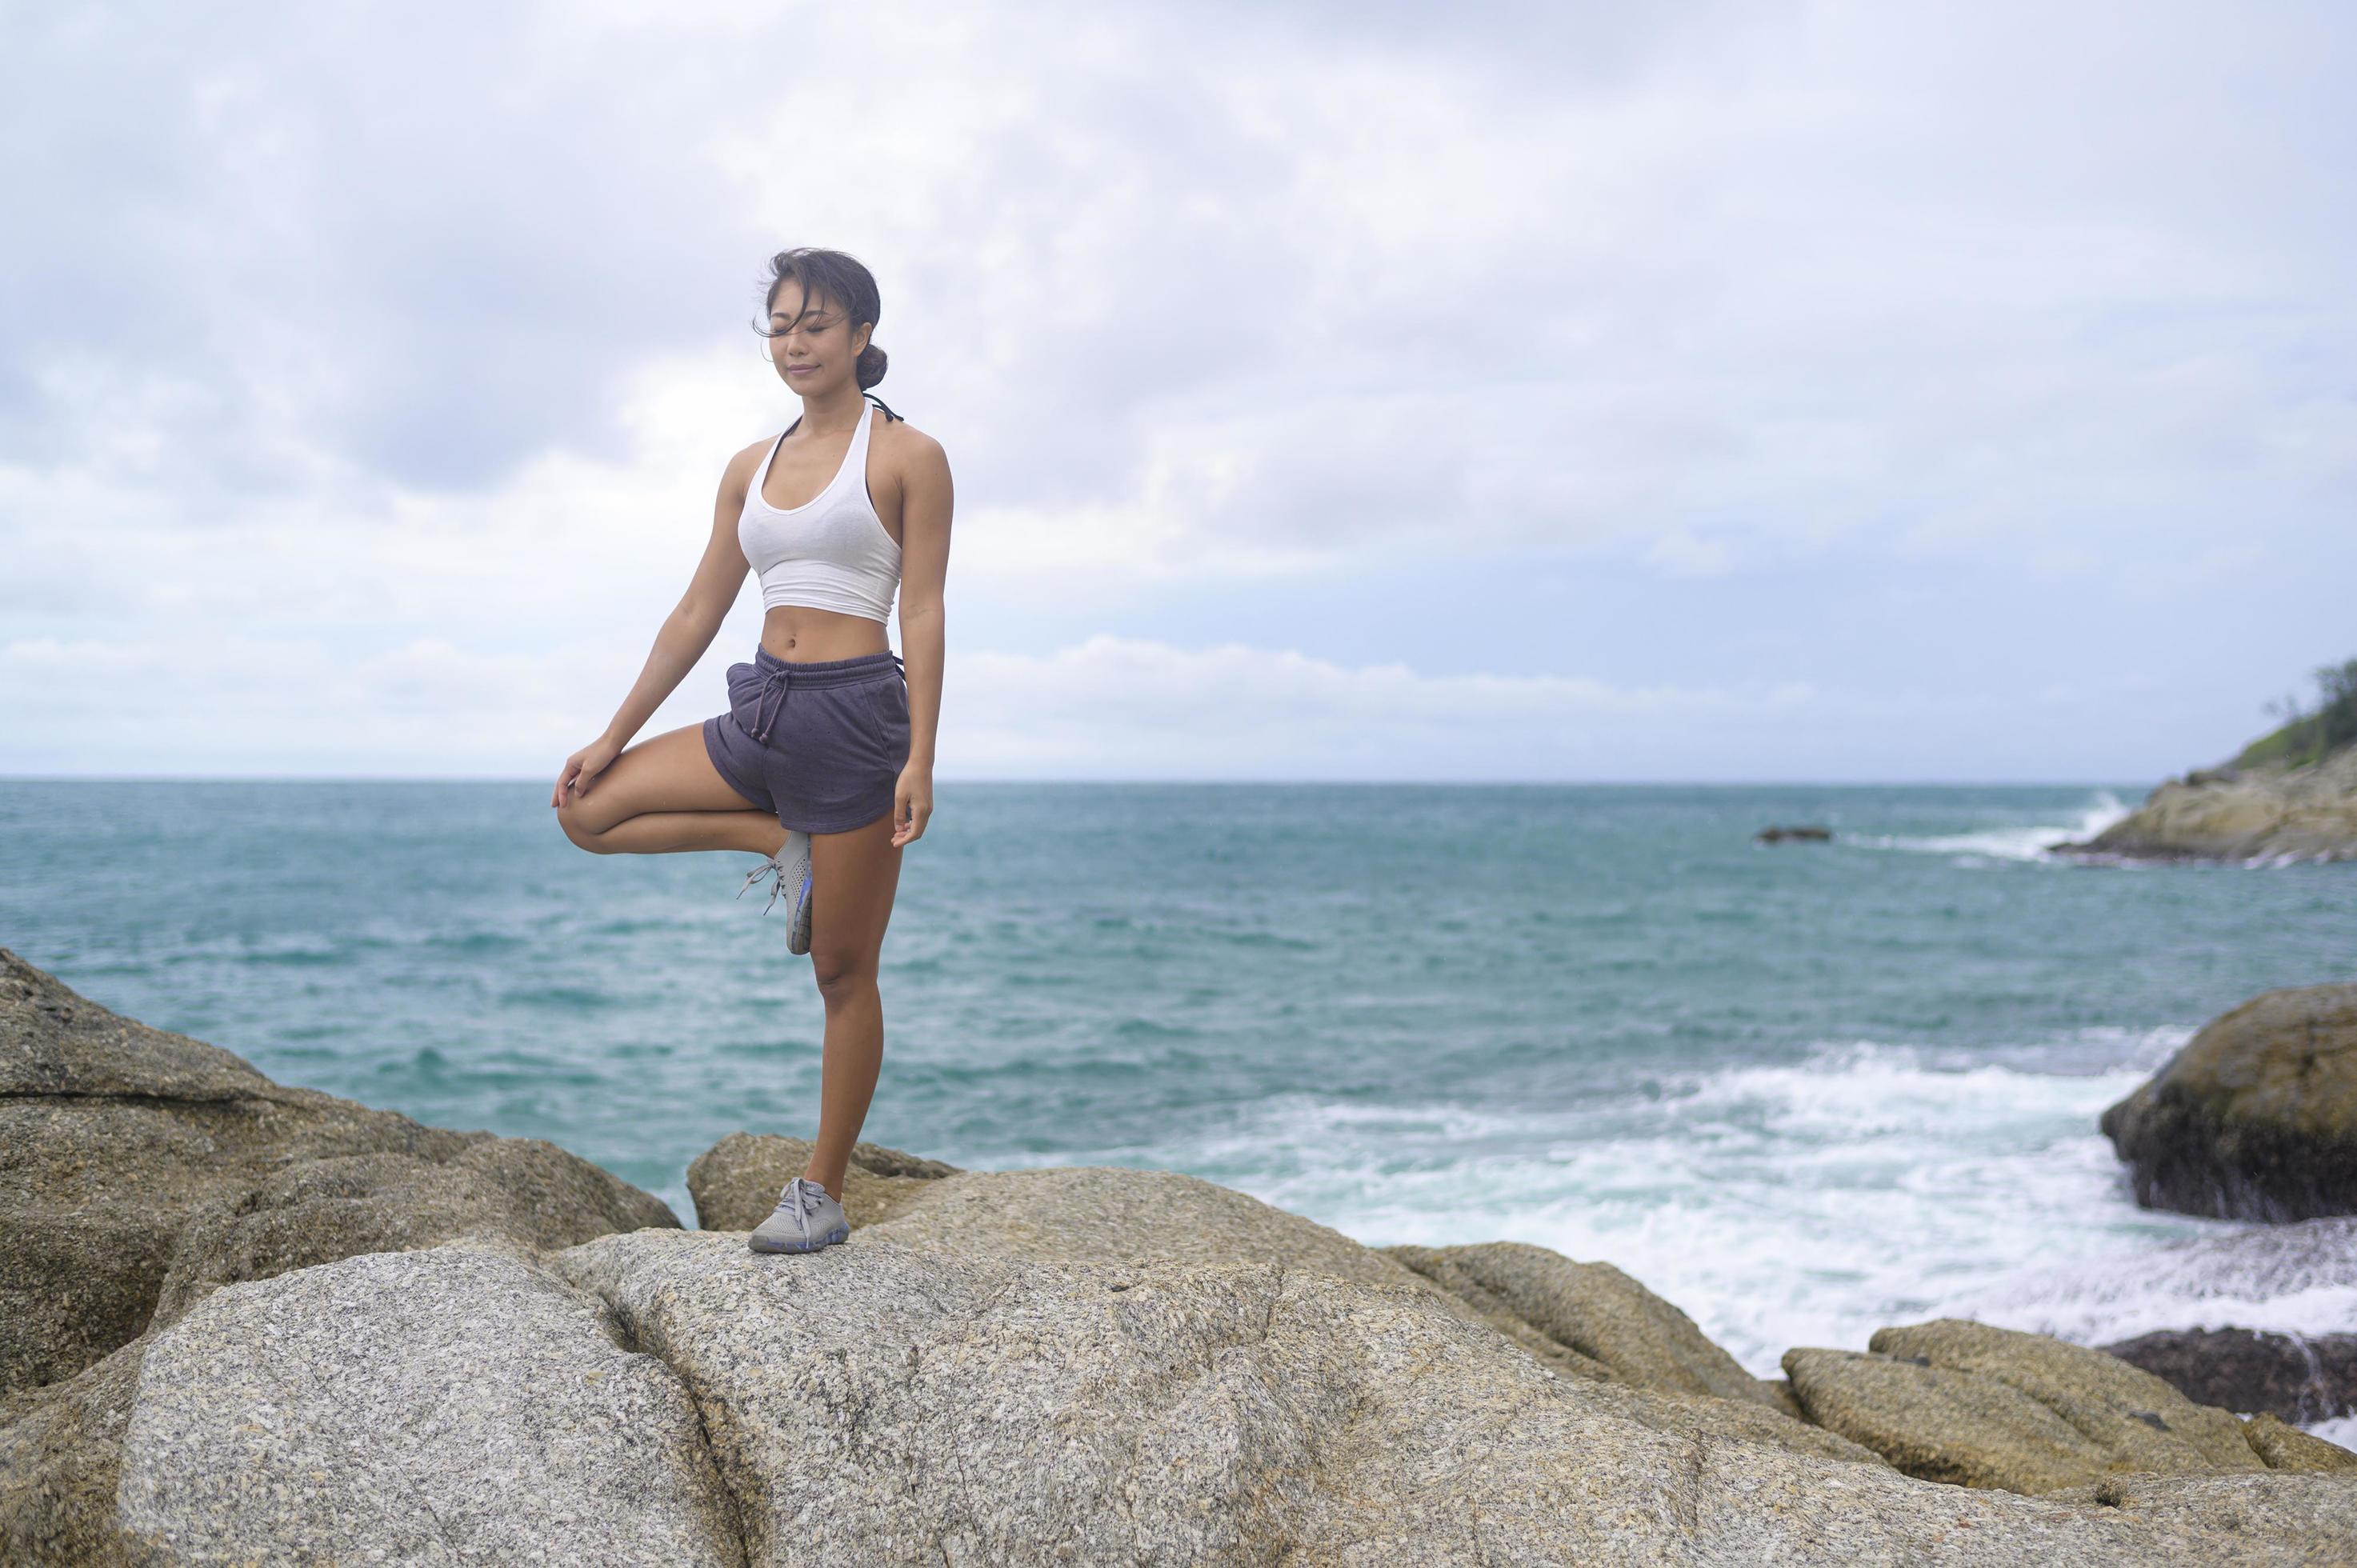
pixel 2257 1117
pixel 1803 834
pixel 2304 1379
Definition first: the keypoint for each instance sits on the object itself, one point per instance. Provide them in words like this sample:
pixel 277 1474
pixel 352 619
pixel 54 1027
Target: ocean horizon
pixel 1801 1090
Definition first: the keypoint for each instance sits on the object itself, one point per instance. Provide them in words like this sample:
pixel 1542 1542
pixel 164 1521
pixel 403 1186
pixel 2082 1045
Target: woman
pixel 823 763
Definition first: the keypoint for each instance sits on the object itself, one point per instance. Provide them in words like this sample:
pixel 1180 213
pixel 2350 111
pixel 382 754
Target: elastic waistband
pixel 828 671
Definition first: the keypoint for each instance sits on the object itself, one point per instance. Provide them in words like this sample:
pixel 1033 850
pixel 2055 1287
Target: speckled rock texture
pixel 1087 1214
pixel 2256 1118
pixel 873 1403
pixel 140 1169
pixel 1966 1403
pixel 2286 1447
pixel 2293 1520
pixel 452 1404
pixel 60 1463
pixel 2298 813
pixel 1600 1313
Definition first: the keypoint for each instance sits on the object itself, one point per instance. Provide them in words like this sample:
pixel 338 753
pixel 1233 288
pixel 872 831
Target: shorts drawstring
pixel 776 681
pixel 777 678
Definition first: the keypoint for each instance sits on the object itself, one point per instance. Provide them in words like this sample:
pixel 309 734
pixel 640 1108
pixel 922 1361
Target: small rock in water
pixel 1778 834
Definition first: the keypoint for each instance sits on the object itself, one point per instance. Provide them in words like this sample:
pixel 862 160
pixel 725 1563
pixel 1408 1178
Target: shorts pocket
pixel 741 680
pixel 889 701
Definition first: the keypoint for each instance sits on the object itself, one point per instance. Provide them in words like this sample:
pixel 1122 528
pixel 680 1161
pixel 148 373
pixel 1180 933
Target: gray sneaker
pixel 805 1219
pixel 791 870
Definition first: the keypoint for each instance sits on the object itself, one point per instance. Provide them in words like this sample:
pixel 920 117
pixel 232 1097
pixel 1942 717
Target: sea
pixel 1802 1090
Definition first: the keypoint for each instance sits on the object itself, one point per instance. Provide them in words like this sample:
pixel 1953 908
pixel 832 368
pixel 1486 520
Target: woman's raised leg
pixel 662 795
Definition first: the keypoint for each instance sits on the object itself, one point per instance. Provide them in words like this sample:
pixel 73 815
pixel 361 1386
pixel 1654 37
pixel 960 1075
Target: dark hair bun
pixel 870 369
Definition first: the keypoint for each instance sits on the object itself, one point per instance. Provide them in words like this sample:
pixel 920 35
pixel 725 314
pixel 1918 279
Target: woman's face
pixel 817 349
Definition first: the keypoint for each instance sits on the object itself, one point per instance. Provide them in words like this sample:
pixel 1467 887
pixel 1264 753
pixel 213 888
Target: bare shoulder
pixel 737 476
pixel 909 445
pixel 740 466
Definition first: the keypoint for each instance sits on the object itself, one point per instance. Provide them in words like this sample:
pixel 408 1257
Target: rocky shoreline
pixel 2259 814
pixel 255 1322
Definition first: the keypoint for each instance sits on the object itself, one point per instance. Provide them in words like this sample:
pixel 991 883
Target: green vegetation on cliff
pixel 2312 736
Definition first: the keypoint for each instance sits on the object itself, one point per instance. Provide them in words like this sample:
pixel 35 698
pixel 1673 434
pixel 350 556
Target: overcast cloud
pixel 1700 392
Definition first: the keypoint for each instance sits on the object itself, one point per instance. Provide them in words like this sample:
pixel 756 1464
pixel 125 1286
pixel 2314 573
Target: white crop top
pixel 831 553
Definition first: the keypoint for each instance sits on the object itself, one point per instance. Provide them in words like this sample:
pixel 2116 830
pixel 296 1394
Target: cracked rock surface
pixel 877 1403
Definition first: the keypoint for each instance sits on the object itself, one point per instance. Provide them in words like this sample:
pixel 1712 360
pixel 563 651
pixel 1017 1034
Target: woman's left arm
pixel 925 503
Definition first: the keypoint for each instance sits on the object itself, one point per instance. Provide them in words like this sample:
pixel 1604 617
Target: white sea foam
pixel 2027 843
pixel 2343 1430
pixel 1810 1204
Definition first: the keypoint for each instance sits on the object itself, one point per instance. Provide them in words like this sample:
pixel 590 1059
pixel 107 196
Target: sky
pixel 1698 391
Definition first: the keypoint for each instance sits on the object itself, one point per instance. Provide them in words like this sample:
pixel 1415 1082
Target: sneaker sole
pixel 798 935
pixel 840 1233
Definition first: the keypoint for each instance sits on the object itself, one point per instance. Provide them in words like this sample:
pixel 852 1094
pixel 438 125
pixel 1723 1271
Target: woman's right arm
pixel 686 632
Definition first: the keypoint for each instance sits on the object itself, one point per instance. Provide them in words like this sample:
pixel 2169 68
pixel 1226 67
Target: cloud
pixel 428 328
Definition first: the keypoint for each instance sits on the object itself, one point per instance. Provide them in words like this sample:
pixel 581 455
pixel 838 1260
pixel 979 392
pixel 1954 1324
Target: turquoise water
pixel 1801 1090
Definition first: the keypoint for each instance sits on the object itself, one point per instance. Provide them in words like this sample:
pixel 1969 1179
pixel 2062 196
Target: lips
pixel 800 370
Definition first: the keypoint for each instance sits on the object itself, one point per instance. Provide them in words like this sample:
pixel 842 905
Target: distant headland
pixel 2291 795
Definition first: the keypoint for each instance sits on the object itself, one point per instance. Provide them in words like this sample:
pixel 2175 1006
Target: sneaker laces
pixel 797 1198
pixel 774 869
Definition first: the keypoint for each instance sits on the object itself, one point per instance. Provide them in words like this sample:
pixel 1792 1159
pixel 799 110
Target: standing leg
pixel 853 878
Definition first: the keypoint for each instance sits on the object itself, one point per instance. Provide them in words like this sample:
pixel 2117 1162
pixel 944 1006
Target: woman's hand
pixel 913 803
pixel 582 767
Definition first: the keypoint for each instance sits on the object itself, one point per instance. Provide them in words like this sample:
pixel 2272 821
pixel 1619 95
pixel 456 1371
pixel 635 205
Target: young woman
pixel 823 764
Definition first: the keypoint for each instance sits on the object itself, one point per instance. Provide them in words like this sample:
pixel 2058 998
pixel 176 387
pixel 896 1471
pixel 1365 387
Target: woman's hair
pixel 839 280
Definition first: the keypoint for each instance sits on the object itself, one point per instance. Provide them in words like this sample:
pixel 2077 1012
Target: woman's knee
pixel 840 975
pixel 574 820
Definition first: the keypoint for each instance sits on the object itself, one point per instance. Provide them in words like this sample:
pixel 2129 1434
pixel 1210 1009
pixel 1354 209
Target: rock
pixel 2302 1378
pixel 1963 1402
pixel 1808 835
pixel 2298 1522
pixel 2257 1117
pixel 1114 1214
pixel 1941 1425
pixel 453 1404
pixel 975 1408
pixel 526 1192
pixel 119 1143
pixel 2286 1447
pixel 2126 1409
pixel 734 1183
pixel 1592 1309
pixel 1118 1214
pixel 60 1461
pixel 2259 813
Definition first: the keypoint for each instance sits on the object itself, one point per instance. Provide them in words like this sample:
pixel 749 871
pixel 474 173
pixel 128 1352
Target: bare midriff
pixel 800 634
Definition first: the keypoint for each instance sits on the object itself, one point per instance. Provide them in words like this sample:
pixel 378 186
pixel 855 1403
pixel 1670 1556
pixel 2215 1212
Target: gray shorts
pixel 819 743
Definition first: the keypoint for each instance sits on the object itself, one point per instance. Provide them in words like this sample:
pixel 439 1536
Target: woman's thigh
pixel 671 772
pixel 853 878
